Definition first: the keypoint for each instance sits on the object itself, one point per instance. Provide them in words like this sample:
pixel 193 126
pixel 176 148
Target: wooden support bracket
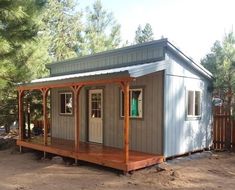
pixel 76 90
pixel 45 126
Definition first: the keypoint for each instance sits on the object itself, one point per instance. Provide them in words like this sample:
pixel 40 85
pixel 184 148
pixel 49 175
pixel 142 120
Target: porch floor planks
pixel 95 153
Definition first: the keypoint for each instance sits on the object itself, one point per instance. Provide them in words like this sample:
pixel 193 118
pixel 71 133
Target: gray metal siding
pixel 182 135
pixel 145 134
pixel 117 59
pixel 63 125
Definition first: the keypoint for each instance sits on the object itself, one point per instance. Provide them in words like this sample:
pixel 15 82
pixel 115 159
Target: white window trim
pixel 70 93
pixel 121 100
pixel 193 116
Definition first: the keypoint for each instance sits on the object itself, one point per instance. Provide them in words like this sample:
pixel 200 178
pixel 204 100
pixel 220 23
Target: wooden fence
pixel 223 130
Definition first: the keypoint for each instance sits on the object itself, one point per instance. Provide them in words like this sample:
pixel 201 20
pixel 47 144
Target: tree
pixel 144 35
pixel 18 34
pixel 101 30
pixel 62 28
pixel 139 35
pixel 221 62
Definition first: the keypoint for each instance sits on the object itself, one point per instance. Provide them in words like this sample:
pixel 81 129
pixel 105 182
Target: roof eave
pixel 195 65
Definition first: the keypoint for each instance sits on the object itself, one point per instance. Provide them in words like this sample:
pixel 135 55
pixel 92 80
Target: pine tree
pixel 62 28
pixel 18 32
pixel 139 35
pixel 101 31
pixel 144 35
pixel 221 62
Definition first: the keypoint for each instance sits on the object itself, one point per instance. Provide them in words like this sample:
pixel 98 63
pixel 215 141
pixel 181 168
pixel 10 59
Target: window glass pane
pixel 98 97
pixel 68 105
pixel 197 103
pixel 190 102
pixel 93 113
pixel 135 103
pixel 93 97
pixel 96 105
pixel 140 104
pixel 62 103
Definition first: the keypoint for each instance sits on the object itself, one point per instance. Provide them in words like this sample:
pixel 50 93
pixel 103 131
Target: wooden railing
pixel 223 130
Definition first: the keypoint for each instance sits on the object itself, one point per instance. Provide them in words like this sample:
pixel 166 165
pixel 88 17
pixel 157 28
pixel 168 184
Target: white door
pixel 96 115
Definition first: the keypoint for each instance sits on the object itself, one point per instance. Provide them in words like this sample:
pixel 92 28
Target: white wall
pixel 182 135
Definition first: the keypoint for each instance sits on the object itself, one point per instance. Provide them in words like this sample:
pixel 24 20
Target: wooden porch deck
pixel 95 153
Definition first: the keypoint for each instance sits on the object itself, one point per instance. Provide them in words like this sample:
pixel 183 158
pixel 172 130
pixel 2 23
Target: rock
pixel 175 174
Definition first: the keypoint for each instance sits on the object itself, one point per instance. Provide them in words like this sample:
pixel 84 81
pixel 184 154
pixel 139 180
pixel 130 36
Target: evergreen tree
pixel 62 28
pixel 221 62
pixel 18 30
pixel 144 35
pixel 138 35
pixel 101 30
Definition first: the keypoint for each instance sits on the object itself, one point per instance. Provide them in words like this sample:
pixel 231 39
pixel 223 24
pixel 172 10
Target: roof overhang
pixel 193 64
pixel 114 75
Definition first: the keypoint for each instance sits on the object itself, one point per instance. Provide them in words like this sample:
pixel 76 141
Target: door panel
pixel 96 116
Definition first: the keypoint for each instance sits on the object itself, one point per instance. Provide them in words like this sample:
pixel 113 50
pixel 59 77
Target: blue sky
pixel 191 25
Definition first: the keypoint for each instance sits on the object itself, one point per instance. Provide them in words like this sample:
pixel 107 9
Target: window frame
pixel 121 111
pixel 193 116
pixel 65 114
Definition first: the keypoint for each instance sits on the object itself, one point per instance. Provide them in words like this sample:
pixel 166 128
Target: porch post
pixel 126 88
pixel 20 113
pixel 76 90
pixel 44 97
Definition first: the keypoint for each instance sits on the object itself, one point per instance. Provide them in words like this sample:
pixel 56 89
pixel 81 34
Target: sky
pixel 191 25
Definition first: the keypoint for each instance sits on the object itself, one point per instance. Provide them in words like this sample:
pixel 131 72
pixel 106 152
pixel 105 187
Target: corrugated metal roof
pixel 134 71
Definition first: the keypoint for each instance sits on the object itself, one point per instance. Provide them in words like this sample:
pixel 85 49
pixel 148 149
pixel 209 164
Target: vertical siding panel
pixel 124 58
pixel 82 114
pixel 157 129
pixel 106 123
pixel 62 125
pixel 171 123
pixel 151 122
pixel 155 114
pixel 139 134
pixel 146 133
pixel 145 53
pixel 116 113
pixel 143 132
pixel 112 114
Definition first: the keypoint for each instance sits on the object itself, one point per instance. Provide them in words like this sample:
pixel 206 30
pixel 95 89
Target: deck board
pixel 95 153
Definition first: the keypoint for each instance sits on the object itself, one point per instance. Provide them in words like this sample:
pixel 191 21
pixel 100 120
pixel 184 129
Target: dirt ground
pixel 199 171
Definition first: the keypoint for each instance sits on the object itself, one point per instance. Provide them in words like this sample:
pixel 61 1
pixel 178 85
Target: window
pixel 136 103
pixel 96 102
pixel 194 103
pixel 66 103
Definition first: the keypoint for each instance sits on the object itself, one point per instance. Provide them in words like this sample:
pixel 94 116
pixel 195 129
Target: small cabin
pixel 126 108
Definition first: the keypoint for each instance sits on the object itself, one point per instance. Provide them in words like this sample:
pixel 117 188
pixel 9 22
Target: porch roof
pixel 127 71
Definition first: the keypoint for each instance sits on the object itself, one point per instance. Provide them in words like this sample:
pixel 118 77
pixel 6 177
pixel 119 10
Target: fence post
pixel 228 132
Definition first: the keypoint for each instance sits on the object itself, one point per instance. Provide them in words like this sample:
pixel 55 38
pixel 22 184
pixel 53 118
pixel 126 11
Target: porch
pixel 119 158
pixel 93 153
